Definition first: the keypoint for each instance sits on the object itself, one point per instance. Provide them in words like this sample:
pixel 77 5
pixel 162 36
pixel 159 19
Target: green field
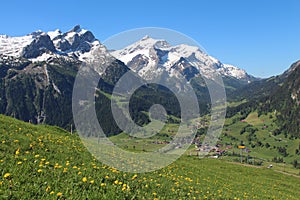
pixel 44 162
pixel 262 143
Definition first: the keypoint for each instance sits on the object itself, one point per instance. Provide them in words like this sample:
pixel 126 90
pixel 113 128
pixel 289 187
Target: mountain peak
pixel 146 37
pixel 73 44
pixel 76 28
pixel 54 34
pixel 149 56
pixel 148 42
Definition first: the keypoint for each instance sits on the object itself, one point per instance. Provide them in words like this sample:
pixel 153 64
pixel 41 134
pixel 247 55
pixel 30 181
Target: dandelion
pixel 107 177
pixel 7 175
pixel 92 182
pixel 65 170
pixel 116 182
pixel 47 188
pixel 84 179
pixel 79 173
pixel 59 194
pixel 154 193
pixel 19 163
pixel 16 141
pixel 103 184
pixel 39 170
pixel 36 156
pixel 17 151
pixel 52 192
pixel 134 177
pixel 47 163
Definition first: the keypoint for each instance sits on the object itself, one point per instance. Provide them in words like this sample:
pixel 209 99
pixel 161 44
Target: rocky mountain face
pixel 75 44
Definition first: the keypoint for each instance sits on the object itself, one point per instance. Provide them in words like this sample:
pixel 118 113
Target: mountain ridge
pixel 149 55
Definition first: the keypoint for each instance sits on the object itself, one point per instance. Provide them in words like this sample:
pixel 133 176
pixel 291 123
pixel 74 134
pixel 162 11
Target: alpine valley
pixel 38 72
pixel 257 155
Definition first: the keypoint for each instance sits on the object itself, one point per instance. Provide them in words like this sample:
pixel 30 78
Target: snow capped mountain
pixel 13 46
pixel 150 56
pixel 230 70
pixel 147 57
pixel 38 46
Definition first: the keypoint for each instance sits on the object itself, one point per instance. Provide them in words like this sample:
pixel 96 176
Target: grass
pixel 45 162
pixel 265 144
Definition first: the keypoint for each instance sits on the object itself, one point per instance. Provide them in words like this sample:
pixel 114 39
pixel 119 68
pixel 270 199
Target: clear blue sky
pixel 262 37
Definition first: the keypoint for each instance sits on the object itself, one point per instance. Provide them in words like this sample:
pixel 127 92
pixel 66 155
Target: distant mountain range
pixel 145 57
pixel 149 57
pixel 37 73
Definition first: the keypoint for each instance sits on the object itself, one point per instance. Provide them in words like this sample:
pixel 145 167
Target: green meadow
pixel 44 162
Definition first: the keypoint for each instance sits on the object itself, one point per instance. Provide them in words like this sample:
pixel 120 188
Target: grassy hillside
pixel 44 162
pixel 261 136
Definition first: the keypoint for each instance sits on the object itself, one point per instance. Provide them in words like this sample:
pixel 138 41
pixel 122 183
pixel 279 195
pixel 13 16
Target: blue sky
pixel 262 37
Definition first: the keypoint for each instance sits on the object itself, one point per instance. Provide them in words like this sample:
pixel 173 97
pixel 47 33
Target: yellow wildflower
pixel 84 179
pixel 6 175
pixel 134 177
pixel 17 152
pixel 59 194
